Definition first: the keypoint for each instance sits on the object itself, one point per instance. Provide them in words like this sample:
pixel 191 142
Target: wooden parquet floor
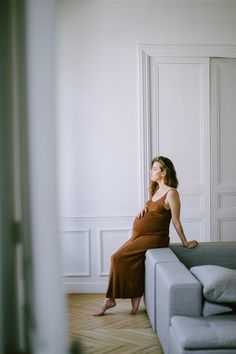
pixel 117 332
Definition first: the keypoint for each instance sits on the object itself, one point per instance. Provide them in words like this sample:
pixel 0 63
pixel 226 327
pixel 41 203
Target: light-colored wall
pixel 98 105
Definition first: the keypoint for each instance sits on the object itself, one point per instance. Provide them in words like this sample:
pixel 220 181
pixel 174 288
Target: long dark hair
pixel 170 177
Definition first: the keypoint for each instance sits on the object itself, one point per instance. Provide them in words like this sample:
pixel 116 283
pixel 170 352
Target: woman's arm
pixel 173 201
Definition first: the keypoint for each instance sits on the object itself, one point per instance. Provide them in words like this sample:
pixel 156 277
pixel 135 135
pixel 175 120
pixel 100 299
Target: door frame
pixel 146 52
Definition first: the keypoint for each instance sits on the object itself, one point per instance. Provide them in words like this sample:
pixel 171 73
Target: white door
pixel 223 149
pixel 179 129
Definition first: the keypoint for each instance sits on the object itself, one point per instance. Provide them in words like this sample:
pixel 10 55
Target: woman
pixel 150 230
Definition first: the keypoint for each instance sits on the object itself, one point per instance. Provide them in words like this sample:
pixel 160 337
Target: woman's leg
pixel 126 279
pixel 107 304
pixel 135 305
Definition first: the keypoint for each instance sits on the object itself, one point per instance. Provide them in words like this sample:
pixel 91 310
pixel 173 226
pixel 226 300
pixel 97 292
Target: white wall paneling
pixel 76 256
pixel 192 202
pixel 175 123
pixel 101 150
pixel 191 227
pixel 87 246
pixel 223 149
pixel 226 230
pixel 226 201
pixel 109 242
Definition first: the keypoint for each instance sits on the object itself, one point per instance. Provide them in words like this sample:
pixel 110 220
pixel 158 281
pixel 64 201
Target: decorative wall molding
pixel 220 233
pixel 223 186
pixel 103 227
pixel 101 234
pixel 145 119
pixel 146 53
pixel 86 251
pixel 105 235
pixel 229 196
pixel 197 197
pixel 203 51
pixel 217 118
pixel 80 287
pixel 202 65
pixel 151 58
pixel 98 217
pixel 186 223
pixel 93 218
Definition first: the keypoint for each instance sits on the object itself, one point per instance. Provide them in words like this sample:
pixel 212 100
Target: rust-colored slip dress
pixel 126 279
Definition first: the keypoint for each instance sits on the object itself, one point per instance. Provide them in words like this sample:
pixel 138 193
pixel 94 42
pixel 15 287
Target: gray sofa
pixel 174 299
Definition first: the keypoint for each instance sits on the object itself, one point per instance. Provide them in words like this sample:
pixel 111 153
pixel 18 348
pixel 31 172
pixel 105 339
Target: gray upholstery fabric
pixel 219 283
pixel 210 309
pixel 178 293
pixel 202 333
pixel 175 347
pixel 171 290
pixel 222 254
pixel 153 257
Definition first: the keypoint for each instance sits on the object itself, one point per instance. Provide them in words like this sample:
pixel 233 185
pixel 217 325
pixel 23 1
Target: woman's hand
pixel 142 212
pixel 191 244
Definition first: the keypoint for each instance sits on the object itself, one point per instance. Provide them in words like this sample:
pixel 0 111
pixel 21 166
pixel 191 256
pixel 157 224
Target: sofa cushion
pixel 211 308
pixel 219 283
pixel 215 253
pixel 205 332
pixel 154 257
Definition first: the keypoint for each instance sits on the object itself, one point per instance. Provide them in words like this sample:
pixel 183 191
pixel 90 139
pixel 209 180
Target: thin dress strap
pixel 171 189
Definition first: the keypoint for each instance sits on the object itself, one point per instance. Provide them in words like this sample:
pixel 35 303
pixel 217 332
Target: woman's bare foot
pixel 107 304
pixel 135 305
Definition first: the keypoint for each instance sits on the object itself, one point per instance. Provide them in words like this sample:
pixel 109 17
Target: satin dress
pixel 126 278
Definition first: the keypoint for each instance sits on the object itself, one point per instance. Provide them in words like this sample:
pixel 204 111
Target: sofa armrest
pixel 153 257
pixel 177 293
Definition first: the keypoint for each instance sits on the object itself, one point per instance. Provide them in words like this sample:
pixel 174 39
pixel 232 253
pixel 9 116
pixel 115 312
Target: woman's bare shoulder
pixel 173 193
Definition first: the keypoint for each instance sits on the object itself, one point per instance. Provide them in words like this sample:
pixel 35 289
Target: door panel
pixel 179 94
pixel 223 149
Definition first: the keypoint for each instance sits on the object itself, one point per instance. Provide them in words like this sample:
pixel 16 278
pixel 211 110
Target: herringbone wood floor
pixel 117 332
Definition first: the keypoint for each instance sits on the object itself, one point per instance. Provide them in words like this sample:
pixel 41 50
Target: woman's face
pixel 156 174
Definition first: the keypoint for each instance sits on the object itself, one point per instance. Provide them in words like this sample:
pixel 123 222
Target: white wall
pixel 98 108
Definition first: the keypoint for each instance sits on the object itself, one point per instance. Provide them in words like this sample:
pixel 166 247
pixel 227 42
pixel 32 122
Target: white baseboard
pixel 72 287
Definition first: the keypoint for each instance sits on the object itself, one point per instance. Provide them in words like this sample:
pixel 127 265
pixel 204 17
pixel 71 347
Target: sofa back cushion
pixel 222 254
